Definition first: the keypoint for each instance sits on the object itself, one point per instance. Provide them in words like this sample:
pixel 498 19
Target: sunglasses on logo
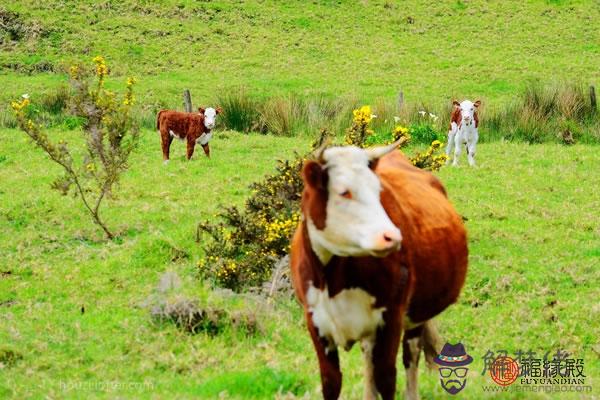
pixel 459 372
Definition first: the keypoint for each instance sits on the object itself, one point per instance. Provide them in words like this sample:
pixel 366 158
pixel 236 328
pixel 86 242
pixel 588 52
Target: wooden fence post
pixel 400 100
pixel 593 97
pixel 187 101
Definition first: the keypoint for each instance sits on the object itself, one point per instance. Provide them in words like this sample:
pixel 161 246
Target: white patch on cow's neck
pixel 204 138
pixel 345 318
pixel 353 227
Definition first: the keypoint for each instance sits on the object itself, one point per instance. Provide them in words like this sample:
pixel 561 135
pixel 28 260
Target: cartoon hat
pixel 453 355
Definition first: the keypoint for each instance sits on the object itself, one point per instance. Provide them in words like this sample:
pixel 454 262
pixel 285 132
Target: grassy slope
pixel 366 48
pixel 533 232
pixel 532 209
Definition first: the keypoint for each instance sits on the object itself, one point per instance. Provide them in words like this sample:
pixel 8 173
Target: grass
pixel 74 318
pixel 369 49
pixel 532 283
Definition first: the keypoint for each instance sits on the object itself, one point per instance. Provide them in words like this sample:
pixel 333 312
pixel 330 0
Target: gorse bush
pixel 429 160
pixel 109 131
pixel 357 134
pixel 245 244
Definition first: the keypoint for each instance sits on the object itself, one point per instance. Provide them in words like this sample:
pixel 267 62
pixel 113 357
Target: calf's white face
pixel 356 223
pixel 467 111
pixel 210 117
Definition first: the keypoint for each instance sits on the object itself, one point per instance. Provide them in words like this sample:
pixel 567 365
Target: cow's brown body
pixel 417 282
pixel 185 126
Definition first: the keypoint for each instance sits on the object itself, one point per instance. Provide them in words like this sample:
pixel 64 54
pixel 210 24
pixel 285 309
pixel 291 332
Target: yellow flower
pixel 400 130
pixel 74 71
pixel 19 105
pixel 101 68
pixel 362 115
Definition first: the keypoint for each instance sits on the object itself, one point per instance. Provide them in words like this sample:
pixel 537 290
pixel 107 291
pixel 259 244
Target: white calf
pixel 463 130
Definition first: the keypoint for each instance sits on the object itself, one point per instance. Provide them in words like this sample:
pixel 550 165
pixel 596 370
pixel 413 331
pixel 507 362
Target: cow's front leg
pixel 329 363
pixel 206 150
pixel 471 152
pixel 370 392
pixel 385 351
pixel 451 135
pixel 458 143
pixel 190 147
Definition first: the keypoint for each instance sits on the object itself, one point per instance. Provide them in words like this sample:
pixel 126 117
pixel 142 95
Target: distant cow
pixel 378 253
pixel 193 127
pixel 464 122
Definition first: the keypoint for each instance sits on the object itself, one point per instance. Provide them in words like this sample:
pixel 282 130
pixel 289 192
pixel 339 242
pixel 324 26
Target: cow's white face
pixel 210 117
pixel 467 111
pixel 356 223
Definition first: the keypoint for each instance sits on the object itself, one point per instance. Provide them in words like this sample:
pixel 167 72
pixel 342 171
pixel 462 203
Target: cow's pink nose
pixel 390 240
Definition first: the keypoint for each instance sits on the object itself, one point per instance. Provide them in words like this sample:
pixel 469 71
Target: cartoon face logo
pixel 453 371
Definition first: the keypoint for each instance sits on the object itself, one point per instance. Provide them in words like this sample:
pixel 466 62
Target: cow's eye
pixel 471 109
pixel 346 194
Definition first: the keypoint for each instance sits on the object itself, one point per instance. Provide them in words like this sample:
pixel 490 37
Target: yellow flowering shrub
pixel 358 133
pixel 109 129
pixel 244 244
pixel 432 159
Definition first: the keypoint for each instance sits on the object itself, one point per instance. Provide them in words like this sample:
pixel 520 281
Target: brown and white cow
pixel 193 127
pixel 378 253
pixel 463 130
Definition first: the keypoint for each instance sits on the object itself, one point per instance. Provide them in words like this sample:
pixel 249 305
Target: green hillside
pixel 77 311
pixel 367 49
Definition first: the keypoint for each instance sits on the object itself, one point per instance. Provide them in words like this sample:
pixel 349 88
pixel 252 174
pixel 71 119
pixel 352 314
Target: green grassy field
pixel 533 280
pixel 74 308
pixel 367 49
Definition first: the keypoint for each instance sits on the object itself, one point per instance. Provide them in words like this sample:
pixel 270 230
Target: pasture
pixel 532 283
pixel 75 308
pixel 433 52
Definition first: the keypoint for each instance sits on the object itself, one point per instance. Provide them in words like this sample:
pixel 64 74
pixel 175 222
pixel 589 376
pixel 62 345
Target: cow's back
pixel 434 236
pixel 180 123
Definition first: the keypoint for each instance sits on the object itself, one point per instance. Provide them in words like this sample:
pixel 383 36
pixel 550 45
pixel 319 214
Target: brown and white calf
pixel 463 130
pixel 378 253
pixel 192 127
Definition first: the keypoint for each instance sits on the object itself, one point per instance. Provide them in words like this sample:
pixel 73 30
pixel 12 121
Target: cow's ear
pixel 456 103
pixel 219 110
pixel 201 110
pixel 477 103
pixel 314 175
